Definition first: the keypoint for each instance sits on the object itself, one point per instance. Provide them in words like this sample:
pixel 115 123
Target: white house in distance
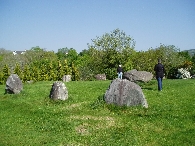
pixel 18 52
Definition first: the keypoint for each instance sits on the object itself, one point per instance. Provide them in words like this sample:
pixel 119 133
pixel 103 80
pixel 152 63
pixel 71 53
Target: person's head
pixel 159 60
pixel 119 65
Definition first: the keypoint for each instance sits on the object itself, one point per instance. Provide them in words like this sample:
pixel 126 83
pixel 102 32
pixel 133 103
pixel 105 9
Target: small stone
pixel 58 91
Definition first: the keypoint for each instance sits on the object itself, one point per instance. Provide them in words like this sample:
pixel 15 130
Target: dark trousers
pixel 159 80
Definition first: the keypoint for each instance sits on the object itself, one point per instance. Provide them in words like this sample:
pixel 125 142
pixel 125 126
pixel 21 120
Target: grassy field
pixel 32 119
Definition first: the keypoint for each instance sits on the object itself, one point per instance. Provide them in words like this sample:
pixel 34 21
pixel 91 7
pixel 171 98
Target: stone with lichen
pixel 137 76
pixel 13 84
pixel 124 92
pixel 58 91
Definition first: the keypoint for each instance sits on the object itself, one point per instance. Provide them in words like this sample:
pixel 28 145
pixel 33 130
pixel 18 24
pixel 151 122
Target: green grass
pixel 32 119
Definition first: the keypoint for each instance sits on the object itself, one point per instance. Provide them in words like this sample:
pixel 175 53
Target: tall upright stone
pixel 13 84
pixel 58 91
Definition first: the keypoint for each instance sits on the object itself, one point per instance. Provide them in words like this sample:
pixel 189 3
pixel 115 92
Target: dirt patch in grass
pixel 82 129
pixel 75 105
pixel 99 123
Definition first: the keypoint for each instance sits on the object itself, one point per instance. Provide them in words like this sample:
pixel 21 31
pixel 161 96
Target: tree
pixel 59 70
pixel 75 73
pixel 1 78
pixel 170 57
pixel 66 68
pixel 85 65
pixel 67 54
pixel 83 52
pixel 6 72
pixel 62 53
pixel 72 55
pixel 145 60
pixel 26 74
pixel 3 52
pixel 36 54
pixel 110 50
pixel 51 72
pixel 37 49
pixel 7 58
pixel 186 55
pixel 35 73
pixel 169 54
pixel 18 70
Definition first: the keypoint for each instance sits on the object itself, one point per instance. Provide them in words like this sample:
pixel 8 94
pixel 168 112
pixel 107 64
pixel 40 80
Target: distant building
pixel 18 52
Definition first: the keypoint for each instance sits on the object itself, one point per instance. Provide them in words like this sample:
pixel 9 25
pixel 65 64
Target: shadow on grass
pixel 147 88
pixel 138 111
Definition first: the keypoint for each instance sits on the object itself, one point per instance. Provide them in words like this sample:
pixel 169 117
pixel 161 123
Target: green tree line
pixel 103 55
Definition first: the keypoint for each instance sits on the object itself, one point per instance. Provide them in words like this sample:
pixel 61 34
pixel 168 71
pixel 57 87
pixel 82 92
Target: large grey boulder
pixel 135 76
pixel 13 84
pixel 124 92
pixel 58 91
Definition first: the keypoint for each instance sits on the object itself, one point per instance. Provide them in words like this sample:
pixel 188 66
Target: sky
pixel 55 24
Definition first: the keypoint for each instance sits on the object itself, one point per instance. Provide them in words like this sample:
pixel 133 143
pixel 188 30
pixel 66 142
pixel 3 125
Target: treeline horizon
pixel 103 56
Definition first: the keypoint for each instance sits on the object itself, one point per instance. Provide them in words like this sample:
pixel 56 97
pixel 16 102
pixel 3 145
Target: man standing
pixel 120 72
pixel 160 71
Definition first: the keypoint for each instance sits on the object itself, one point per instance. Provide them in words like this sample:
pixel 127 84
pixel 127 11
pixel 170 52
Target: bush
pixel 172 73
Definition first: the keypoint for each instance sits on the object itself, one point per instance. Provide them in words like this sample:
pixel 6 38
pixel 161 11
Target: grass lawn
pixel 32 119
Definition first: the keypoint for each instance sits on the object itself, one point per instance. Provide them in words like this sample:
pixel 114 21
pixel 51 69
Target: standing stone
pixel 13 84
pixel 58 91
pixel 134 76
pixel 66 78
pixel 125 92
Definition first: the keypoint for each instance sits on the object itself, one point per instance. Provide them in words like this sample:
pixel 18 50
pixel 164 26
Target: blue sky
pixel 55 24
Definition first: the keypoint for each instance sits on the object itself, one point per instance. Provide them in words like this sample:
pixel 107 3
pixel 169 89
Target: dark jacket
pixel 120 69
pixel 160 70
